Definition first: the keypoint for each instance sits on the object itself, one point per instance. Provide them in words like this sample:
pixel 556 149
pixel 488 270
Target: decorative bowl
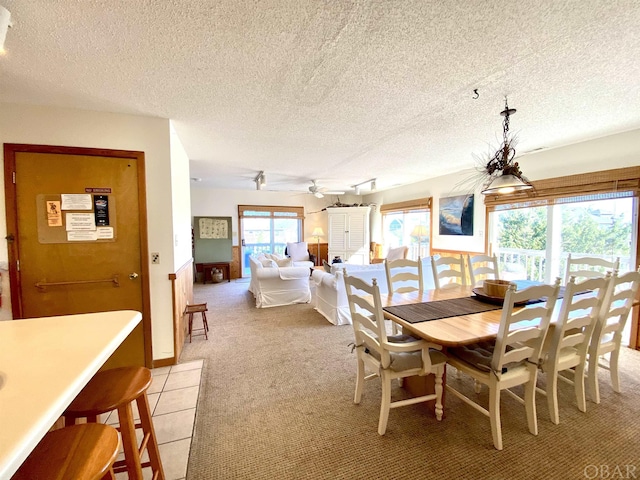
pixel 496 288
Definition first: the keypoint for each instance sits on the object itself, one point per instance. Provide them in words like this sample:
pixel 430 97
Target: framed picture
pixel 456 215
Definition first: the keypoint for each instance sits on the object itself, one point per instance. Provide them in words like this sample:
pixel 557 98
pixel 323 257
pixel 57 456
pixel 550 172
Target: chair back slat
pixel 482 267
pixel 404 275
pixel 616 307
pixel 522 330
pixel 589 267
pixel 578 316
pixel 448 271
pixel 367 317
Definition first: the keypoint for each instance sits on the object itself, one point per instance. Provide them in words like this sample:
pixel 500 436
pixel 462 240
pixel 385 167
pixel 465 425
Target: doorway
pixel 76 231
pixel 267 230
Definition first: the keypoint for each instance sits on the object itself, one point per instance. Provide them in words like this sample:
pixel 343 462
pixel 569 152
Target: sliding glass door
pixel 534 242
pixel 267 230
pixel 407 224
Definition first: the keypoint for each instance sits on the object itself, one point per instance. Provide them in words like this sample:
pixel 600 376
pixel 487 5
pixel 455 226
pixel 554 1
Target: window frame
pixel 410 206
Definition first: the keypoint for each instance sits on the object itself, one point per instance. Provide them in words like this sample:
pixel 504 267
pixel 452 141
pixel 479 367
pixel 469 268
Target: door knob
pixel 133 276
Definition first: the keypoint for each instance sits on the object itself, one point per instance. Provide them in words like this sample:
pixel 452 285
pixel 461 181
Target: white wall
pixel 80 128
pixel 614 151
pixel 181 203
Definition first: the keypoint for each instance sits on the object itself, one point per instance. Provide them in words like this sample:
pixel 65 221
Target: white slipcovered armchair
pixel 273 285
pixel 299 253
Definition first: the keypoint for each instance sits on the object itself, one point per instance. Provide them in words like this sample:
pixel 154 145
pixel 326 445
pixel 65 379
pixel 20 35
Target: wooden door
pixel 76 224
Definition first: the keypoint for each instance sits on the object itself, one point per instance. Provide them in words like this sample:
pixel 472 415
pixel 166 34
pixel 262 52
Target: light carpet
pixel 276 402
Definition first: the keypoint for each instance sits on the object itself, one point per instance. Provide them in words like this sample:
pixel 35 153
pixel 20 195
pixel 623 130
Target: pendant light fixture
pixel 504 175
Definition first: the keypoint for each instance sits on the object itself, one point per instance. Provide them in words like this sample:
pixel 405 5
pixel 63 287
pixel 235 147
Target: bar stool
pixel 116 389
pixel 81 452
pixel 197 308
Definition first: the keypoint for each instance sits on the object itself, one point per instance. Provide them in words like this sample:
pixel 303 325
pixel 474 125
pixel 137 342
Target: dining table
pixel 44 363
pixel 455 328
pixel 457 317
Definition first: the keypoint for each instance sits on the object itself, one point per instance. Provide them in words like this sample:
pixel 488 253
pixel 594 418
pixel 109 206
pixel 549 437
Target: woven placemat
pixel 424 312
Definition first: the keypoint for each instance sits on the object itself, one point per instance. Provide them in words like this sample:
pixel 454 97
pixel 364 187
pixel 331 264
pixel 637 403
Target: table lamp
pixel 318 232
pixel 420 231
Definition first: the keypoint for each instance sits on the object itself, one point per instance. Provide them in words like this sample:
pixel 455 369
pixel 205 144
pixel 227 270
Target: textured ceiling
pixel 338 91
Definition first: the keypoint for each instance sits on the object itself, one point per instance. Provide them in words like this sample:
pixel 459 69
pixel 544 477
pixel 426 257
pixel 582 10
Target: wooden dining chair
pixel 589 267
pixel 448 271
pixel 482 267
pixel 403 276
pixel 568 345
pixel 607 334
pixel 388 357
pixel 513 358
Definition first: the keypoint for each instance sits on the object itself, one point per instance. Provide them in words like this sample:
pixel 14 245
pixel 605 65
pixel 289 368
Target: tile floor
pixel 173 396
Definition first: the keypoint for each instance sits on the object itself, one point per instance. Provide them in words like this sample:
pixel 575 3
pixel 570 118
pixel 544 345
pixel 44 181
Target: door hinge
pixel 18 265
pixel 13 176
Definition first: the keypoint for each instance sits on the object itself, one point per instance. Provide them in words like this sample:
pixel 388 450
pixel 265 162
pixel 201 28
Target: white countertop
pixel 44 363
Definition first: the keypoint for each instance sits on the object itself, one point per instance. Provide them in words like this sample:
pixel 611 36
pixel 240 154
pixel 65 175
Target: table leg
pixel 418 386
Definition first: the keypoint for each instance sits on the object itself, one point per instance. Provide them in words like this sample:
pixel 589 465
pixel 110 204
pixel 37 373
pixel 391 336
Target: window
pixel 407 223
pixel 534 242
pixel 593 214
pixel 268 230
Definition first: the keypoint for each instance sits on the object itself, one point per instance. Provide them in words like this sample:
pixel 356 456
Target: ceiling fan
pixel 320 192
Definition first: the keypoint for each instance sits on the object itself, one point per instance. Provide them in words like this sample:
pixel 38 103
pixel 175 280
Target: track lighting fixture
pixel 357 186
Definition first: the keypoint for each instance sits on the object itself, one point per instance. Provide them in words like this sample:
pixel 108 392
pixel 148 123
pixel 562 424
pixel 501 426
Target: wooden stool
pixel 116 389
pixel 197 308
pixel 81 452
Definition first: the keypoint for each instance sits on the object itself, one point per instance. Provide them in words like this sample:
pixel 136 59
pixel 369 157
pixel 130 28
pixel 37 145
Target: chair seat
pixel 117 389
pixel 478 355
pixel 109 389
pixel 401 361
pixel 80 452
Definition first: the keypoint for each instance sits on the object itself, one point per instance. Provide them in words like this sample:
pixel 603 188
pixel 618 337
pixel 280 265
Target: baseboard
pixel 164 362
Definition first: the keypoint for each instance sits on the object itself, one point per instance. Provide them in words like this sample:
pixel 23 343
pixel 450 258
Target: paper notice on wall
pixel 76 201
pixel 82 236
pixel 54 215
pixel 213 228
pixel 80 221
pixel 104 233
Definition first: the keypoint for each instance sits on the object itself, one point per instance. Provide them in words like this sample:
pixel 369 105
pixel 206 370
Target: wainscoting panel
pixel 182 293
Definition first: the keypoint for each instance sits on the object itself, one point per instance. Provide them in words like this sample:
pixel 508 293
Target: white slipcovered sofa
pixel 274 282
pixel 331 295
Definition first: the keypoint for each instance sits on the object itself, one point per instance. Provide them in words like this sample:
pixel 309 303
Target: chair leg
pixel 578 381
pixel 530 403
pixel 552 395
pixel 359 381
pixel 494 417
pixel 613 370
pixel 190 325
pixel 109 475
pixel 477 386
pixel 592 378
pixel 206 324
pixel 129 442
pixel 152 442
pixel 385 403
pixel 205 327
pixel 439 389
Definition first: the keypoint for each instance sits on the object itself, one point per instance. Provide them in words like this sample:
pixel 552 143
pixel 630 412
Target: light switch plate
pixel 155 258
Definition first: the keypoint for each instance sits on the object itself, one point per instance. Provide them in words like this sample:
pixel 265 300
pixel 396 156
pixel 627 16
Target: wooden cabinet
pixel 349 234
